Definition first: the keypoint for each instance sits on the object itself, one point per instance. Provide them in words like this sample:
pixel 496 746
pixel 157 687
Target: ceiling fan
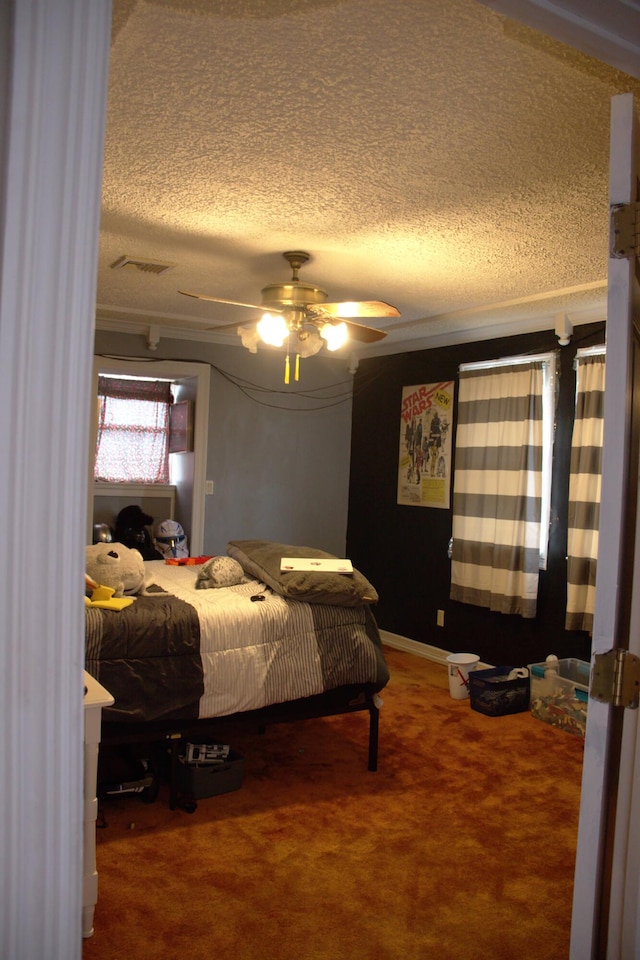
pixel 300 314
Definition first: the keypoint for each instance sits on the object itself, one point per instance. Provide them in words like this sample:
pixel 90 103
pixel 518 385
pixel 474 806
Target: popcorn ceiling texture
pixel 430 154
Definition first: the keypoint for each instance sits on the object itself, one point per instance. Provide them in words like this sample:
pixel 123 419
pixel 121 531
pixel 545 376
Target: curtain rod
pixel 506 361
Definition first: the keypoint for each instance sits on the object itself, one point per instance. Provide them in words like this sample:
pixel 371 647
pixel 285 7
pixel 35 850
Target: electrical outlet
pixel 440 618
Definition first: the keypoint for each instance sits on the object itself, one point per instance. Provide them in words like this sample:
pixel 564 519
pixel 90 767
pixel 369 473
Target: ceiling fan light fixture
pixel 335 334
pixel 249 338
pixel 309 343
pixel 273 329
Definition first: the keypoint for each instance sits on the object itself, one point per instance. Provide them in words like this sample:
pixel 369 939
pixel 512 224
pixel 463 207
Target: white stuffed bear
pixel 116 566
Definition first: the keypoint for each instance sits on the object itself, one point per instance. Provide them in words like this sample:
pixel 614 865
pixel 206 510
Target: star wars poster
pixel 425 445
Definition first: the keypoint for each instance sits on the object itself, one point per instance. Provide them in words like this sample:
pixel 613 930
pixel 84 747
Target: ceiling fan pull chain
pixel 286 369
pixel 297 373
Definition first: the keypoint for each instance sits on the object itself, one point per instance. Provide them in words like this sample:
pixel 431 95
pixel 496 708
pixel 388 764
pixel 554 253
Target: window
pixel 133 430
pixel 502 482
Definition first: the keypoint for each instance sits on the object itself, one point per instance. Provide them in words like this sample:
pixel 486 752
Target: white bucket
pixel 459 666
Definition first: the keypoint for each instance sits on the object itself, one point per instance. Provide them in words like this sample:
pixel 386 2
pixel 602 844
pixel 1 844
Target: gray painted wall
pixel 278 456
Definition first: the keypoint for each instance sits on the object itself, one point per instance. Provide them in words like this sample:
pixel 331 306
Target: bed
pixel 235 638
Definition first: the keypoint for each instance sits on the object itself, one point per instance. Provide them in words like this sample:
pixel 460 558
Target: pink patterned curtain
pixel 133 430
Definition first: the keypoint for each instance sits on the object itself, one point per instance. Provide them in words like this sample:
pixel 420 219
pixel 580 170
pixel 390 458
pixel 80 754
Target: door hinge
pixel 616 678
pixel 623 230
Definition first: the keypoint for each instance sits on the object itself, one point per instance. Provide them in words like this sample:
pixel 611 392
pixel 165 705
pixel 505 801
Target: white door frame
pixel 54 57
pixel 173 370
pixel 593 906
pixel 623 935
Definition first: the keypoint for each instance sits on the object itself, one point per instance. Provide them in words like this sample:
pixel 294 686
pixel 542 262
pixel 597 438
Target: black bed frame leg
pixel 173 772
pixel 374 722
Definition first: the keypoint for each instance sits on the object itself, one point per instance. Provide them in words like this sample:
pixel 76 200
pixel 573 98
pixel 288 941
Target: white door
pixel 606 889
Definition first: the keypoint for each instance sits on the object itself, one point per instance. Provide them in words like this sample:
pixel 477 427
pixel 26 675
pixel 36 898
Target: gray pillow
pixel 260 559
pixel 220 572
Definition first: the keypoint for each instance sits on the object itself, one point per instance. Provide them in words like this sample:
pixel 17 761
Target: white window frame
pixel 174 370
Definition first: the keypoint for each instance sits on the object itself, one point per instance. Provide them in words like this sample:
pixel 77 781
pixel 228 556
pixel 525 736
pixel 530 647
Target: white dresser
pixel 95 698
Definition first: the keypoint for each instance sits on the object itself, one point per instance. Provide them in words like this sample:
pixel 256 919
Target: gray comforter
pixel 208 653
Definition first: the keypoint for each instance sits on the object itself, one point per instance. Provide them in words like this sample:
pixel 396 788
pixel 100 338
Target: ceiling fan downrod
pixel 296 259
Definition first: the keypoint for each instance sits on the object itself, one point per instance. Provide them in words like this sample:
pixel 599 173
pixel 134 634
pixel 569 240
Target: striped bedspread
pixel 209 653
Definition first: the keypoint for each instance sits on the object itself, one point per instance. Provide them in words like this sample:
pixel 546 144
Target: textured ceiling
pixel 433 154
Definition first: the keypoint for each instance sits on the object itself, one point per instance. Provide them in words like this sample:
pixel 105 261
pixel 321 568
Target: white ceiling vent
pixel 147 266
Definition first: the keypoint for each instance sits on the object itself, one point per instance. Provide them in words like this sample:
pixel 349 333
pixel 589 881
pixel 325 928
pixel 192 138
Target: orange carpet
pixel 460 847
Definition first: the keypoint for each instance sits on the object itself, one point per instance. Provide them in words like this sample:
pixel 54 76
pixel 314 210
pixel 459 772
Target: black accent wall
pixel 403 549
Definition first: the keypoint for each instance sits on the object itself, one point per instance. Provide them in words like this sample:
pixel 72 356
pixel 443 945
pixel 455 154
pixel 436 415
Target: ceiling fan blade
pixel 230 327
pixel 233 303
pixel 357 331
pixel 356 308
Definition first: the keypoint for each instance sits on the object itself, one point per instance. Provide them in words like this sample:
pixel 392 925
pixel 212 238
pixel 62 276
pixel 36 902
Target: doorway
pixel 188 480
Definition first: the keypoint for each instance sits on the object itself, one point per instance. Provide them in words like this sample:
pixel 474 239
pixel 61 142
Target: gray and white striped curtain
pixel 497 491
pixel 584 492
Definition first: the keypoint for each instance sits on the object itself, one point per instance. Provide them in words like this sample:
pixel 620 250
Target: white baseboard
pixel 424 650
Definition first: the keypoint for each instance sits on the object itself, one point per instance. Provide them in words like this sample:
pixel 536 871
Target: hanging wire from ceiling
pixel 315 398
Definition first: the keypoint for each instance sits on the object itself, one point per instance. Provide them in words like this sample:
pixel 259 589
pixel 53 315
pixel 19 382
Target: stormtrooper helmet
pixel 170 539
